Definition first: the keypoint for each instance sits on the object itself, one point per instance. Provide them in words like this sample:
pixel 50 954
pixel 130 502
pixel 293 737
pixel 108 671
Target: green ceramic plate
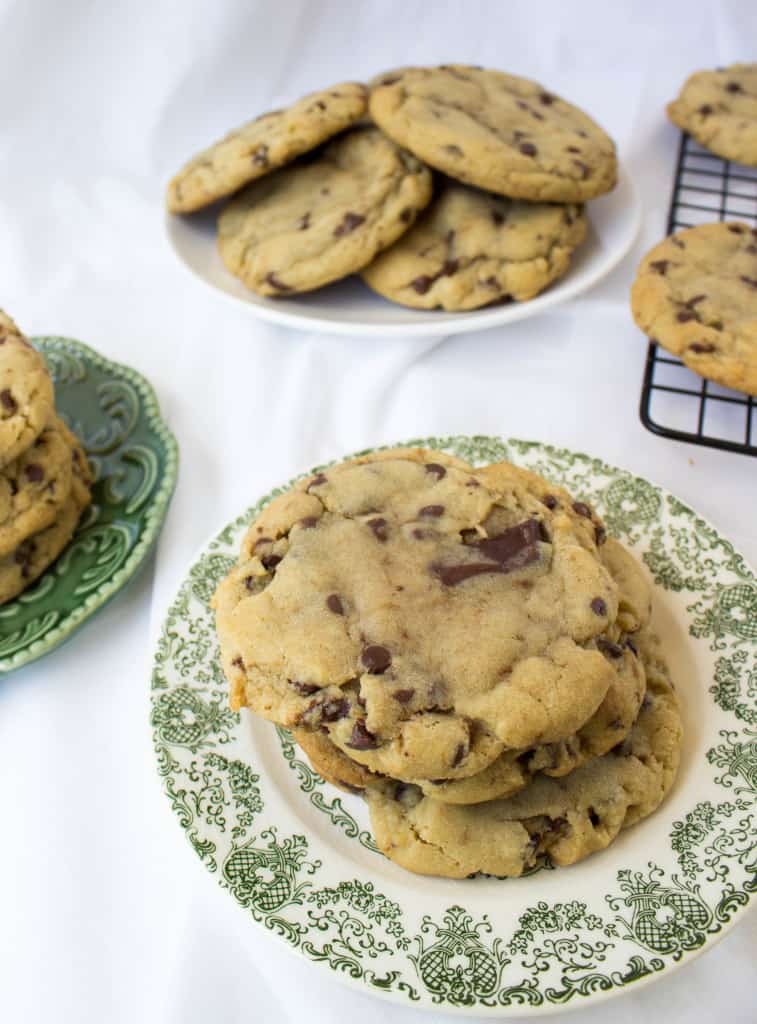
pixel 296 855
pixel 135 458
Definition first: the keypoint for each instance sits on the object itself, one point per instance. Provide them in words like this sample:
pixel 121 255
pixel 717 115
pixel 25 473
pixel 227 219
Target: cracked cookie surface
pixel 426 615
pixel 471 248
pixel 561 820
pixel 323 219
pixel 719 109
pixel 499 132
pixel 262 145
pixel 27 400
pixel 696 294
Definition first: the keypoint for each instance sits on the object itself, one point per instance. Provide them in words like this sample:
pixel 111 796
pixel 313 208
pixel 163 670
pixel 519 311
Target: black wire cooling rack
pixel 675 401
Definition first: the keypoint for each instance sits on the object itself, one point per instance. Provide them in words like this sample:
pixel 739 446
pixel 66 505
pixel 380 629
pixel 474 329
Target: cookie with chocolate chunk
pixel 719 109
pixel 318 221
pixel 426 615
pixel 472 248
pixel 562 821
pixel 262 145
pixel 27 400
pixel 696 295
pixel 499 132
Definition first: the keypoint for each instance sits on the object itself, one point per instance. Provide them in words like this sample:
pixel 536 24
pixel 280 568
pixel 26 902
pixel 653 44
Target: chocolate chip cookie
pixel 316 222
pixel 719 109
pixel 26 392
pixel 472 248
pixel 561 820
pixel 34 486
pixel 262 145
pixel 358 592
pixel 502 133
pixel 696 294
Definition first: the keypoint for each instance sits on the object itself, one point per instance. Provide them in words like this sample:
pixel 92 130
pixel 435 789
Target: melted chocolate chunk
pixel 306 689
pixel 572 149
pixel 423 534
pixel 422 284
pixel 251 583
pixel 432 511
pixel 498 217
pixel 600 535
pixel 528 149
pixel 631 646
pixel 608 648
pixel 435 470
pixel 334 604
pixel 348 225
pixel 379 528
pixel 318 479
pixel 598 606
pixel 8 401
pixel 361 739
pixel 659 266
pixel 452 266
pixel 733 87
pixel 407 215
pixel 736 229
pixel 593 817
pixel 274 282
pixel 581 509
pixel 237 662
pixel 403 696
pixel 334 709
pixel 701 347
pixel 685 315
pixel 546 99
pixel 460 753
pixel 34 472
pixel 705 110
pixel 512 549
pixel 270 562
pixel 375 658
pixel 751 281
pixel 550 501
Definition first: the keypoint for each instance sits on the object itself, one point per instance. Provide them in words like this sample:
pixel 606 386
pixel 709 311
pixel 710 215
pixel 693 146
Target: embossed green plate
pixel 297 856
pixel 135 458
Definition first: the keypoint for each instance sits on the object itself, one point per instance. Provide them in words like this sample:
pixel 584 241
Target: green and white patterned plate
pixel 298 858
pixel 135 458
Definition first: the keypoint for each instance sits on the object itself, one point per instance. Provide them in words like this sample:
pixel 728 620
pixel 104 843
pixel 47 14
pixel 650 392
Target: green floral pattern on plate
pixel 135 457
pixel 292 851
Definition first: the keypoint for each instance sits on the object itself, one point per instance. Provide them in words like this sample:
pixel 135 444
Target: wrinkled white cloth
pixel 106 914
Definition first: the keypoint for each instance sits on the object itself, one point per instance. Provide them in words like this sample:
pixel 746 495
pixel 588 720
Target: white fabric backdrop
pixel 105 913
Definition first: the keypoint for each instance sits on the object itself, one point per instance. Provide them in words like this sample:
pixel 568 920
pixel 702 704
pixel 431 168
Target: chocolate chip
pixel 498 217
pixel 751 281
pixel 274 282
pixel 390 80
pixel 422 284
pixel 736 229
pixel 407 215
pixel 659 266
pixel 705 110
pixel 308 522
pixel 598 606
pixel 237 662
pixel 685 315
pixel 270 562
pixel 631 646
pixel 261 541
pixel 361 739
pixel 581 509
pixel 550 501
pixel 419 534
pixel 334 604
pixel 733 87
pixel 379 528
pixel 460 753
pixel 403 696
pixel 34 472
pixel 528 149
pixel 572 149
pixel 512 549
pixel 320 104
pixel 679 243
pixel 593 817
pixel 376 659
pixel 334 709
pixel 260 156
pixel 251 583
pixel 9 402
pixel 318 479
pixel 350 221
pixel 434 511
pixel 701 347
pixel 306 689
pixel 453 150
pixel 450 267
pixel 609 648
pixel 583 168
pixel 435 470
pixel 304 222
pixel 546 99
pixel 695 301
pixel 600 535
pixel 616 723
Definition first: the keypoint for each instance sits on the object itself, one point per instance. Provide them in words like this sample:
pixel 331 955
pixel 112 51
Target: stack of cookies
pixel 465 647
pixel 44 477
pixel 497 221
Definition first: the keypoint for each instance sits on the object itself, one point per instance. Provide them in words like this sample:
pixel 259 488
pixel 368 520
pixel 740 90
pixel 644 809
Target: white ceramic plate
pixel 350 307
pixel 297 855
